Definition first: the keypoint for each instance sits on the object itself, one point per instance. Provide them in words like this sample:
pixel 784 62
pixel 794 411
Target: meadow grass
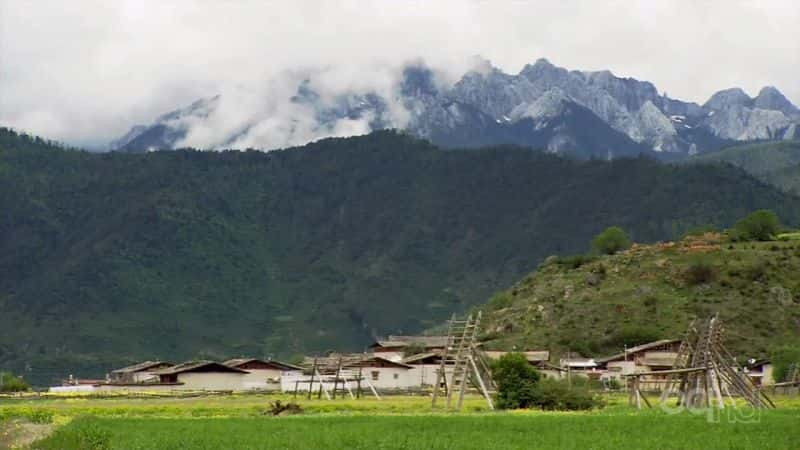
pixel 243 421
pixel 645 430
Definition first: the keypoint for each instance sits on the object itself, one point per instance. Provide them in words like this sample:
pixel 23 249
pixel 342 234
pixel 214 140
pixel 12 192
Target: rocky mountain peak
pixel 770 97
pixel 592 113
pixel 727 98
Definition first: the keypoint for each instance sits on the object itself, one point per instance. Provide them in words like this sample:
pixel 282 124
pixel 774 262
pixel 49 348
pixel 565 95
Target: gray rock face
pixel 543 106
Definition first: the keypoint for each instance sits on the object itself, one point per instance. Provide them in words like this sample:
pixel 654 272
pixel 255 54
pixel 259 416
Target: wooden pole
pixel 336 378
pixel 311 382
pixel 358 392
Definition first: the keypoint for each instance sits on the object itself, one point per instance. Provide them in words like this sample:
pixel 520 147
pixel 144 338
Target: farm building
pixel 653 356
pixel 760 372
pixel 377 371
pixel 385 374
pixel 587 367
pixel 142 372
pixel 203 375
pixel 263 375
pixel 396 348
pixel 424 367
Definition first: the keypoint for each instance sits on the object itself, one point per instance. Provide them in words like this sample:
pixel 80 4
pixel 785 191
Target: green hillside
pixel 777 163
pixel 652 292
pixel 110 258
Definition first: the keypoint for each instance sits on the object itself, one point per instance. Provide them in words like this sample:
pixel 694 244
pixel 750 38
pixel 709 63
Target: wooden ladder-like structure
pixel 705 370
pixel 462 363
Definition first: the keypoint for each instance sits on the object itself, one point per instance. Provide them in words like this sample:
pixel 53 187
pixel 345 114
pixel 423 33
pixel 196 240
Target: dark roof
pixel 236 362
pixel 419 358
pixel 637 349
pixel 404 341
pixel 194 366
pixel 140 367
pixel 331 362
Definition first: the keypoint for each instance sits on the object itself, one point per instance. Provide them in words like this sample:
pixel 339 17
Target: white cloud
pixel 84 71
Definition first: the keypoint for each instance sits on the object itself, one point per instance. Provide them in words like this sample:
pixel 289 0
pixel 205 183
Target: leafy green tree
pixel 782 360
pixel 610 241
pixel 565 396
pixel 761 225
pixel 516 381
pixel 10 383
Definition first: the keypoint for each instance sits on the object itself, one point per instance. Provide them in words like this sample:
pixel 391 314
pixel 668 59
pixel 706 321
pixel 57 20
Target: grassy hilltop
pixel 597 305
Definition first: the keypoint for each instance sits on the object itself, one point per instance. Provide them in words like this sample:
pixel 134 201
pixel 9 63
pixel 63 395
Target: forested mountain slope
pixel 110 258
pixel 776 163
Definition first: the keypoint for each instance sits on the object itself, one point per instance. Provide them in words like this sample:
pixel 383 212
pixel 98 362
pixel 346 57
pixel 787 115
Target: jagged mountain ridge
pixel 543 106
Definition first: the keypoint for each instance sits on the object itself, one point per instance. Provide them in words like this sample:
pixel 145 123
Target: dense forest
pixel 110 258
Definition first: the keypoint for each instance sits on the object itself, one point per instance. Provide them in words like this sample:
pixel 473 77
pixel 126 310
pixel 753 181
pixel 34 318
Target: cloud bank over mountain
pixel 84 71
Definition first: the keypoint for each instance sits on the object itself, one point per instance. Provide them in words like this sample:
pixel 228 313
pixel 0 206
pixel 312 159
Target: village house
pixel 263 375
pixel 649 357
pixel 395 348
pixel 760 372
pixel 586 367
pixel 143 372
pixel 424 368
pixel 375 371
pixel 203 375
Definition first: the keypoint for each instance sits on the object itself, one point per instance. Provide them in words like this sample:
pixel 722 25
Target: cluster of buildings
pixel 399 363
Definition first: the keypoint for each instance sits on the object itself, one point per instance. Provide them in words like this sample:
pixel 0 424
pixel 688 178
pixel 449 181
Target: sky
pixel 84 71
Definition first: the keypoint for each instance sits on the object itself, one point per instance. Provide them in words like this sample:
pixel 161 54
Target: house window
pixel 396 376
pixel 375 375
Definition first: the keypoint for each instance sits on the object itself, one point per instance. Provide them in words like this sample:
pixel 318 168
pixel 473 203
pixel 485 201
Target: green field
pixel 485 431
pixel 243 421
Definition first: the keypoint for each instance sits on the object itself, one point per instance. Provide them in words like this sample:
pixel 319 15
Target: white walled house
pixel 263 375
pixel 377 371
pixel 385 374
pixel 203 375
pixel 425 368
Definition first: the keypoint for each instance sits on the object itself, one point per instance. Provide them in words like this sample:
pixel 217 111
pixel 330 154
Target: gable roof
pixel 236 362
pixel 142 366
pixel 421 357
pixel 331 362
pixel 194 366
pixel 405 341
pixel 637 349
pixel 578 362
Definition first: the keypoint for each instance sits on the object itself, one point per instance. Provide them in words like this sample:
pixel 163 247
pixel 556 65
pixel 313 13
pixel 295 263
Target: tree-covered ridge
pixel 776 163
pixel 110 258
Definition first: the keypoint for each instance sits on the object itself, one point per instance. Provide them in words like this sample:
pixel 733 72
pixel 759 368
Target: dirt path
pixel 20 433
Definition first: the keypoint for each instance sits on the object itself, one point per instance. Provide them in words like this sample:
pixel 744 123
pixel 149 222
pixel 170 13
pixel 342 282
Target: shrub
pixel 516 381
pixel 10 383
pixel 610 241
pixel 278 408
pixel 499 300
pixel 756 272
pixel 761 225
pixel 700 272
pixel 554 394
pixel 574 261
